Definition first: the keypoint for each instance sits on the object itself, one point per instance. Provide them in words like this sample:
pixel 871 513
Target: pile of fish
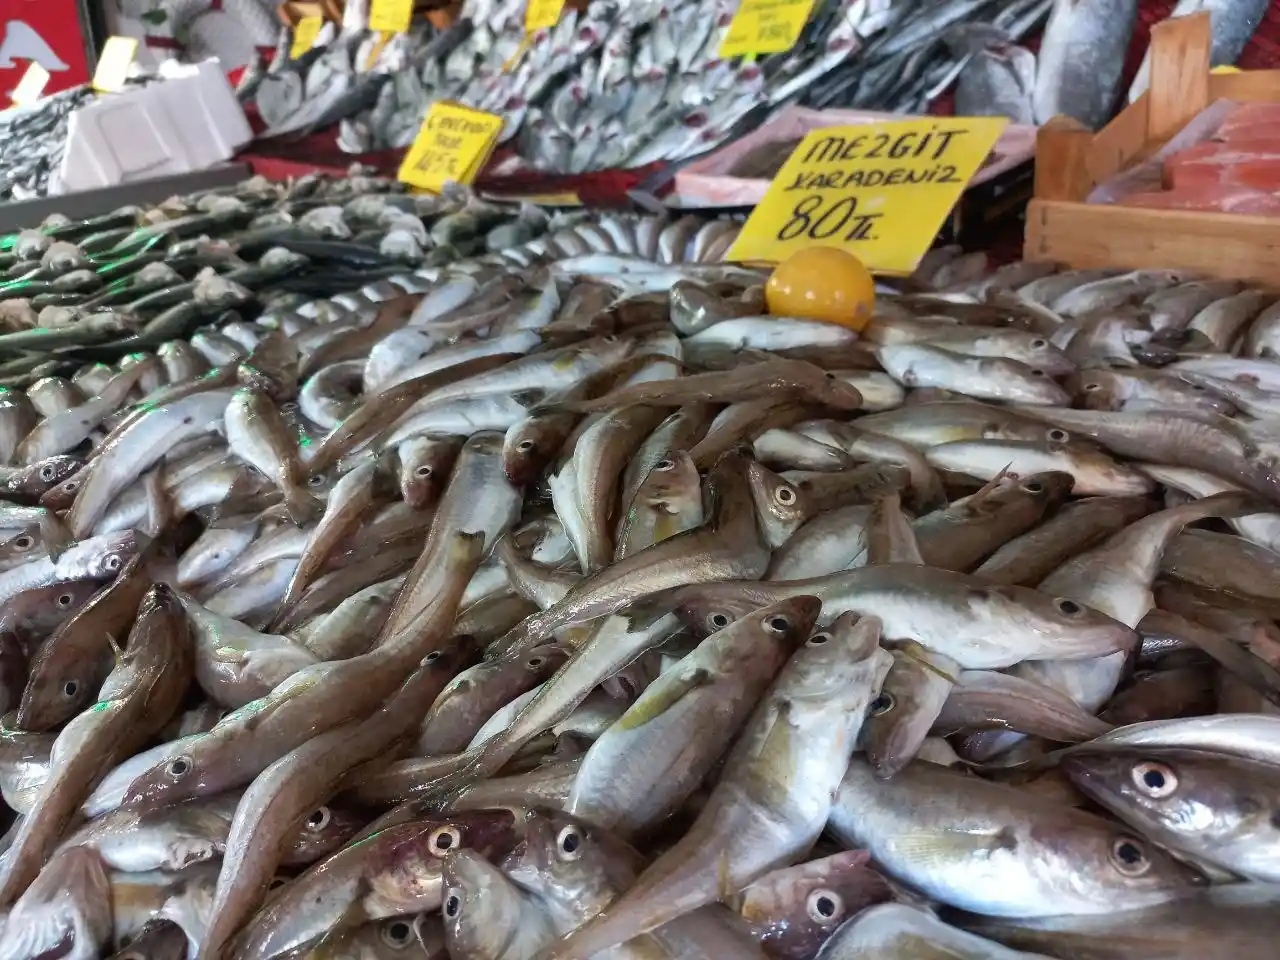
pixel 32 141
pixel 586 611
pixel 137 278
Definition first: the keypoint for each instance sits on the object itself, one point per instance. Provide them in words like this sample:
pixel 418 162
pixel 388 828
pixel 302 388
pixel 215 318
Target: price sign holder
pixel 880 191
pixel 305 32
pixel 113 65
pixel 542 14
pixel 453 143
pixel 391 16
pixel 31 87
pixel 765 26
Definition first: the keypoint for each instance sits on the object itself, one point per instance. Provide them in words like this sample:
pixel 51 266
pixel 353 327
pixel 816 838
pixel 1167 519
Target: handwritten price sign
pixel 880 191
pixel 765 26
pixel 391 16
pixel 453 144
pixel 542 14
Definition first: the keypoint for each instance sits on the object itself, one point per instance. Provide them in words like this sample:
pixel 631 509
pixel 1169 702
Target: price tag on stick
pixel 765 26
pixel 391 16
pixel 880 191
pixel 453 144
pixel 542 14
pixel 31 87
pixel 113 65
pixel 304 36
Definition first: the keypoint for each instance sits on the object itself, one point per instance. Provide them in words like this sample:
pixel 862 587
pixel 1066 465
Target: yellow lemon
pixel 822 283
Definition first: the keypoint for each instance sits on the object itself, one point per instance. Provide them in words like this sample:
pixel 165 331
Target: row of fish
pixel 577 607
pixel 32 141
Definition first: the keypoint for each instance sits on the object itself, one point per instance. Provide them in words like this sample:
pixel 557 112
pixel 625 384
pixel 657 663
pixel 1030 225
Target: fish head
pixel 571 864
pixel 898 719
pixel 762 640
pixel 1100 389
pixel 39 478
pixel 673 484
pixel 321 832
pixel 1072 629
pixel 528 447
pixel 114 554
pixel 835 392
pixel 836 663
pixel 1167 791
pixel 780 506
pixel 1044 490
pixel 481 907
pixel 796 909
pixel 708 607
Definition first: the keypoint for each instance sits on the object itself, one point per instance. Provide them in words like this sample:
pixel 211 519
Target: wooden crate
pixel 1071 161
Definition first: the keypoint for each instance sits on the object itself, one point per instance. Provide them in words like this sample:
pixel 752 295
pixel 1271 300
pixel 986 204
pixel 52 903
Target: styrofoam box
pixel 187 122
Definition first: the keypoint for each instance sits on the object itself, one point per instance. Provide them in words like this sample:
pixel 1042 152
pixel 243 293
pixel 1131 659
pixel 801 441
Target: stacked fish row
pixel 32 141
pixel 575 608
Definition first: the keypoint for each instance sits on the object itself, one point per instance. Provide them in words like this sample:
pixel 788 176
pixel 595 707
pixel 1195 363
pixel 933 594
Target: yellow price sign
pixel 31 87
pixel 880 191
pixel 391 16
pixel 113 65
pixel 453 144
pixel 304 35
pixel 542 14
pixel 765 26
pixel 1225 69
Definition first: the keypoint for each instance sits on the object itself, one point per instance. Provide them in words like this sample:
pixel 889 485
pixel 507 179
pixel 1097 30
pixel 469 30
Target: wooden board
pixel 1096 235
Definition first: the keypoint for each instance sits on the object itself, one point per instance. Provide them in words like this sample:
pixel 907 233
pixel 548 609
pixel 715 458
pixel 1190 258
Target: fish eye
pixel 818 639
pixel 396 934
pixel 444 839
pixel 70 485
pixel 46 472
pixel 830 376
pixel 569 843
pixel 315 480
pixel 1038 373
pixel 1093 385
pixel 719 620
pixel 1039 344
pixel 1129 857
pixel 1058 436
pixel 533 663
pixel 882 704
pixel 785 496
pixel 319 819
pixel 423 471
pixel 452 905
pixel 777 624
pixel 665 465
pixel 524 446
pixel 824 906
pixel 23 543
pixel 1155 780
pixel 178 767
pixel 1033 486
pixel 64 599
pixel 432 657
pixel 1068 607
pixel 277 882
pixel 112 563
pixel 70 688
pixel 289 407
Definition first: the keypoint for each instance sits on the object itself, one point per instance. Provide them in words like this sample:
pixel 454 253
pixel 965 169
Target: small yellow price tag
pixel 1225 68
pixel 31 87
pixel 765 26
pixel 453 144
pixel 113 65
pixel 880 191
pixel 391 16
pixel 304 36
pixel 542 14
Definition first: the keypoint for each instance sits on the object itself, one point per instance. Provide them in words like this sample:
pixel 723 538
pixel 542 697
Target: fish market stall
pixel 391 574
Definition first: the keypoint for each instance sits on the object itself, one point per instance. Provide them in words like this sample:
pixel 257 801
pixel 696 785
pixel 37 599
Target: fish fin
pixel 935 663
pixel 116 650
pixel 976 502
pixel 934 846
pixel 890 538
pixel 773 765
pixel 55 535
pixel 653 704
